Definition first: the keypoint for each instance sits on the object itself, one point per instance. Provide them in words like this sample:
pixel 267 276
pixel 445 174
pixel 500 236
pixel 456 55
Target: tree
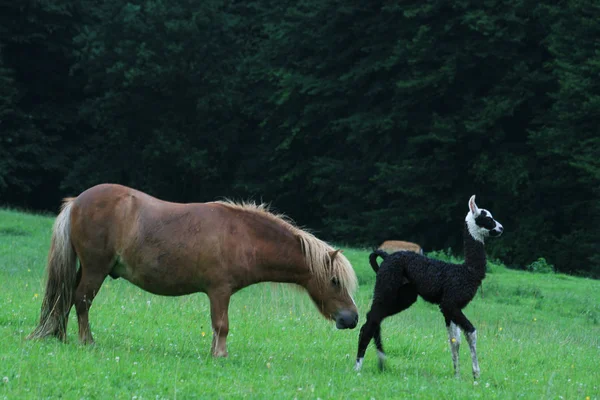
pixel 161 98
pixel 568 143
pixel 37 98
pixel 386 116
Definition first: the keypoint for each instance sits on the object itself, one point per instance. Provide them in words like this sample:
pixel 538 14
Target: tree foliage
pixel 37 98
pixel 363 120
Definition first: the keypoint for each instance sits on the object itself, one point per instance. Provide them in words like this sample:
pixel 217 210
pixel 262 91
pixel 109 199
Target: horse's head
pixel 331 289
pixel 480 222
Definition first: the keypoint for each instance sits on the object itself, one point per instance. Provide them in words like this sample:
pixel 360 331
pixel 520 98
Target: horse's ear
pixel 333 254
pixel 473 207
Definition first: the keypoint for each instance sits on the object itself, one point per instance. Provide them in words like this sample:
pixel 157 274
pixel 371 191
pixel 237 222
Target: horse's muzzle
pixel 346 319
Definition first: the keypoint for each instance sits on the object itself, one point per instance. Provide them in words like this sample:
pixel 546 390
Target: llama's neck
pixel 474 252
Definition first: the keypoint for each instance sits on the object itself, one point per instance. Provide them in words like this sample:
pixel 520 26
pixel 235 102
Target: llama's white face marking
pixel 498 228
pixel 480 222
pixel 476 232
pixel 358 364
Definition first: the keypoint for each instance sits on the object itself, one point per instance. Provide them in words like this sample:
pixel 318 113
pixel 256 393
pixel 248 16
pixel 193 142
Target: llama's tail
pixel 373 258
pixel 62 276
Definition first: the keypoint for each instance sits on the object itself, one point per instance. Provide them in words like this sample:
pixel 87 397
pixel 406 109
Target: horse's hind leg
pixel 219 309
pixel 62 335
pixel 89 285
pixel 61 332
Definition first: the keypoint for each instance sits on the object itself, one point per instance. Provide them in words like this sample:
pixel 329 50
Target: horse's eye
pixel 335 281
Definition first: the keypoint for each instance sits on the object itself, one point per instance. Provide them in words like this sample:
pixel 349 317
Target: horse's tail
pixel 373 258
pixel 62 277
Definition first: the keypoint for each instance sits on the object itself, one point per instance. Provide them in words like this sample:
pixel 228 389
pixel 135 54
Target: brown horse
pixel 176 249
pixel 392 246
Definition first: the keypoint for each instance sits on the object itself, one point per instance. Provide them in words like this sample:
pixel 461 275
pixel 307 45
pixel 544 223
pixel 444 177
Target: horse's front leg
pixel 219 307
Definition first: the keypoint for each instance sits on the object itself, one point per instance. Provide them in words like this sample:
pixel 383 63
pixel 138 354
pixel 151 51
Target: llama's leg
pixel 219 308
pixel 406 297
pixel 367 331
pixel 379 346
pixel 383 307
pixel 471 333
pixel 88 288
pixel 454 339
pixel 472 340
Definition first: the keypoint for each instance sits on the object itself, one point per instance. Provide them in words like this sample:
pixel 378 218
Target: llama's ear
pixel 473 207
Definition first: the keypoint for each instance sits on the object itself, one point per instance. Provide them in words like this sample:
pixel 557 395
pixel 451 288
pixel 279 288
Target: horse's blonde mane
pixel 315 250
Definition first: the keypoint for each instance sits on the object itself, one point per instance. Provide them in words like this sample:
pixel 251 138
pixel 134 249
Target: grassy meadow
pixel 539 338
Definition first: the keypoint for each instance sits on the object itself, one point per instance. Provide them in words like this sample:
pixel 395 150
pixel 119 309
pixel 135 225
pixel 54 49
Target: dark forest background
pixel 362 120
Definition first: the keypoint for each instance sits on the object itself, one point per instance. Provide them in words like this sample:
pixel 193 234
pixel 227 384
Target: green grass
pixel 539 338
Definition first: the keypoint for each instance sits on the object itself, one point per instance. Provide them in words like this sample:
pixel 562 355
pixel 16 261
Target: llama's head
pixel 480 222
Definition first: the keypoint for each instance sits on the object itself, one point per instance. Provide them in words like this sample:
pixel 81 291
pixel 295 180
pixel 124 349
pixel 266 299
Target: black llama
pixel 405 275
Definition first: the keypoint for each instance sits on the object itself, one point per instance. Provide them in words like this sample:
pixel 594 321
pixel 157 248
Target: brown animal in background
pixel 392 246
pixel 174 249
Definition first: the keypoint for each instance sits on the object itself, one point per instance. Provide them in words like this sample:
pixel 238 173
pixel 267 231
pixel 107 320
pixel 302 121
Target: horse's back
pixel 95 214
pixel 172 248
pixel 107 195
pixel 108 213
pixel 157 245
